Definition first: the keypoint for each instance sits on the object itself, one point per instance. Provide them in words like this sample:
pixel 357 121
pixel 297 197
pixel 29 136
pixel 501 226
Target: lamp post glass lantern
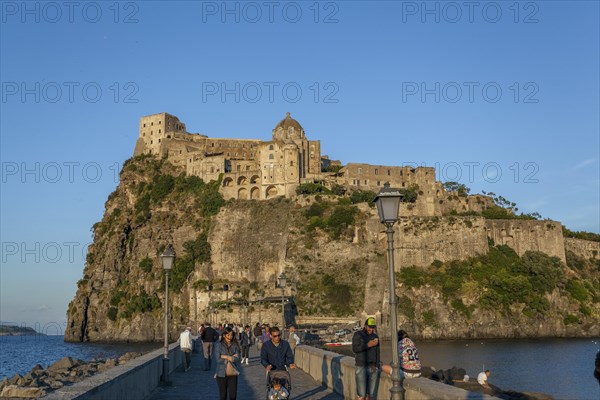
pixel 388 206
pixel 168 257
pixel 282 280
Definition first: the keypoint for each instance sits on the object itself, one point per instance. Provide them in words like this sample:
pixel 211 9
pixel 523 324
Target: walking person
pixel 257 332
pixel 228 356
pixel 209 337
pixel 293 338
pixel 265 336
pixel 185 343
pixel 276 353
pixel 365 345
pixel 245 343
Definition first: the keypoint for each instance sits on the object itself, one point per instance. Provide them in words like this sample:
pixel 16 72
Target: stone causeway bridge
pixel 320 374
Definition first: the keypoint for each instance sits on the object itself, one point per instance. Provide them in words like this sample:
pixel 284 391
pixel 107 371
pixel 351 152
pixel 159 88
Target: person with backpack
pixel 209 337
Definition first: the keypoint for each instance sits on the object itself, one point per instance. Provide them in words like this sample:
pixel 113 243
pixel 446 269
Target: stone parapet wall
pixel 133 380
pixel 337 373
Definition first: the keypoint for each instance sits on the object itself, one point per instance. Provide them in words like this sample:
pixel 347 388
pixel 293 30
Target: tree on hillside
pixel 460 188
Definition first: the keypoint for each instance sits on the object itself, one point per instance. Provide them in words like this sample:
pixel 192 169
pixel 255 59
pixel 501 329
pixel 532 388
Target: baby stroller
pixel 281 376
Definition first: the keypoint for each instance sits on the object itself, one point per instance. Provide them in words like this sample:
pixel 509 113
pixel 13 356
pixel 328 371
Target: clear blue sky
pixel 397 84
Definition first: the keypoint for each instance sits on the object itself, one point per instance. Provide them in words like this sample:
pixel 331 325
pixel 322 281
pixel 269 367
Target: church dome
pixel 287 122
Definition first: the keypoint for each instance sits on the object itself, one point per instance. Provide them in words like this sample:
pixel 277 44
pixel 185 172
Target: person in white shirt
pixel 482 378
pixel 185 343
pixel 293 338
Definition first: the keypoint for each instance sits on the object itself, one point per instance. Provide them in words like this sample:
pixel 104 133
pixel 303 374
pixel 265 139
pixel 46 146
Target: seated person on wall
pixel 276 353
pixel 482 378
pixel 408 356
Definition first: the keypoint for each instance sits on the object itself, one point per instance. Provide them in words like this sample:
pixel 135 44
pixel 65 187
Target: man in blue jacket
pixel 276 353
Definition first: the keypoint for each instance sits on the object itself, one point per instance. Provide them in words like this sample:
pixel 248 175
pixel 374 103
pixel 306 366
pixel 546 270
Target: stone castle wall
pixel 525 235
pixel 419 241
pixel 583 248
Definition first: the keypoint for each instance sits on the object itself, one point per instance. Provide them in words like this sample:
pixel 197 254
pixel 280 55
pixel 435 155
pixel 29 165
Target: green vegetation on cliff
pixel 594 237
pixel 500 280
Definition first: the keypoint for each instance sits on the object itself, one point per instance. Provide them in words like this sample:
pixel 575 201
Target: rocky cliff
pixel 456 276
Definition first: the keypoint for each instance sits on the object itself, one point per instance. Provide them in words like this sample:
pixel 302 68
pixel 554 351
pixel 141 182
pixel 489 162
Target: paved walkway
pixel 200 384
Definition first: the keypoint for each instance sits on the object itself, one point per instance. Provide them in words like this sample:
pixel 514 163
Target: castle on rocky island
pixel 257 169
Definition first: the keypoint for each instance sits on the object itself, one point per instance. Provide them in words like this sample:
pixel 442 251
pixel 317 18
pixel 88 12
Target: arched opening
pixel 227 182
pixel 243 194
pixel 255 179
pixel 254 193
pixel 271 192
pixel 241 180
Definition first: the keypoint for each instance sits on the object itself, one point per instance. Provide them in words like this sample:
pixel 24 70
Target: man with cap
pixel 365 345
pixel 185 343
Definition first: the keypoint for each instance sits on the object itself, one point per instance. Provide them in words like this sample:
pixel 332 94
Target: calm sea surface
pixel 562 368
pixel 19 354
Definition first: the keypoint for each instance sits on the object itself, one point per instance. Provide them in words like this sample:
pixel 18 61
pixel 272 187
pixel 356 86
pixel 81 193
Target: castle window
pixel 143 133
pixel 152 123
pixel 389 173
pixel 179 151
pixel 247 168
pixel 158 140
pixel 251 154
pixel 360 170
pixel 220 144
pixel 160 122
pixel 239 167
pixel 212 169
pixel 160 130
pixel 151 132
pixel 244 146
pixel 378 183
pixel 151 142
pixel 270 147
pixel 376 172
pixel 227 154
pixel 291 163
pixel 213 145
pixel 144 125
pixel 365 181
pixel 401 173
pixel 271 157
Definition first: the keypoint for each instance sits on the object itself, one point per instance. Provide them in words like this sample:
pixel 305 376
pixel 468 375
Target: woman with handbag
pixel 228 356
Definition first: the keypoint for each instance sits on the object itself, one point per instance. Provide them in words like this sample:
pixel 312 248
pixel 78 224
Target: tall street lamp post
pixel 168 257
pixel 281 283
pixel 388 206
